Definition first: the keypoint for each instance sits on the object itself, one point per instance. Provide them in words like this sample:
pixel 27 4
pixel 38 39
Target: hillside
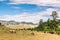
pixel 12 22
pixel 26 35
pixel 21 26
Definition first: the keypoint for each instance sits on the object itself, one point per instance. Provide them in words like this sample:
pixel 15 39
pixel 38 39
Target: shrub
pixel 32 33
pixel 57 31
pixel 52 32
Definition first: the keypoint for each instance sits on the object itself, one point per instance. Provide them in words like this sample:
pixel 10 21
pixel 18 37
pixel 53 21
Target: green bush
pixel 51 32
pixel 57 31
pixel 46 29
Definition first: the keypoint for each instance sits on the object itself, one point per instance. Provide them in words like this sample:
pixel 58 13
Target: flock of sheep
pixel 14 31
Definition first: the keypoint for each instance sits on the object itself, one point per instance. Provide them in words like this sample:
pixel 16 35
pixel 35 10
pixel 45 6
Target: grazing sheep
pixel 12 31
pixel 32 33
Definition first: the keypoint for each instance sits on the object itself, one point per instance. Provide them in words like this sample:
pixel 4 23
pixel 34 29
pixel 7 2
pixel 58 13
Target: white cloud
pixel 38 2
pixel 24 17
pixel 49 12
pixel 35 17
pixel 58 15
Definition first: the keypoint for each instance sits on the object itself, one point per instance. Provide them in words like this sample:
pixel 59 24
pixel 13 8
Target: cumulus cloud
pixel 27 17
pixel 23 17
pixel 58 15
pixel 38 2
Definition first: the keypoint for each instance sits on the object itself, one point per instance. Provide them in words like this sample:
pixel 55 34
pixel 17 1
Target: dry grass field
pixel 26 35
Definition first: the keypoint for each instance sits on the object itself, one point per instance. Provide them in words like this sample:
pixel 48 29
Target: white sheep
pixel 12 31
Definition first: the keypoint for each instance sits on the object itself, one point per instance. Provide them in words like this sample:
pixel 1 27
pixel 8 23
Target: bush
pixel 57 31
pixel 46 30
pixel 52 32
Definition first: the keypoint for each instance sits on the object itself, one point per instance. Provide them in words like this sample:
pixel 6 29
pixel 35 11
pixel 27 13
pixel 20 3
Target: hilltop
pixel 12 22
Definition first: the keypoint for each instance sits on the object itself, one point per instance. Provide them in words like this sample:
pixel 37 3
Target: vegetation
pixel 50 26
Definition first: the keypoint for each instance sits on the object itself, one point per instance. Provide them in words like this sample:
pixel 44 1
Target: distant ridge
pixel 12 22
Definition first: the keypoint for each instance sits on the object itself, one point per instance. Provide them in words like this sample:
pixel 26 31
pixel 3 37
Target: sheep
pixel 32 33
pixel 12 31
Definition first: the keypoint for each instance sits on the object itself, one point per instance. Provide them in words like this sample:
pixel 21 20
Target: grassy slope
pixel 26 35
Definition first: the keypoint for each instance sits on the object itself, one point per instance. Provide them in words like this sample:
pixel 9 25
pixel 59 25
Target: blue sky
pixel 13 9
pixel 29 11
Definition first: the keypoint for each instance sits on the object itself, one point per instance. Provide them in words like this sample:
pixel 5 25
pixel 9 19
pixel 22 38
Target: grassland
pixel 26 35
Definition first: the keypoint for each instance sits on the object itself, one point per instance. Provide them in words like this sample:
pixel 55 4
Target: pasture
pixel 26 35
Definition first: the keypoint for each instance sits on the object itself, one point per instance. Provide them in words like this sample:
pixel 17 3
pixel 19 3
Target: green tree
pixel 41 26
pixel 54 22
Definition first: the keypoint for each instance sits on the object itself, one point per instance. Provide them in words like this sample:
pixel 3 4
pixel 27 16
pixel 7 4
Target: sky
pixel 28 10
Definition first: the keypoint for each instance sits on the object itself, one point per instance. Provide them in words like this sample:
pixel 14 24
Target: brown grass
pixel 26 35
